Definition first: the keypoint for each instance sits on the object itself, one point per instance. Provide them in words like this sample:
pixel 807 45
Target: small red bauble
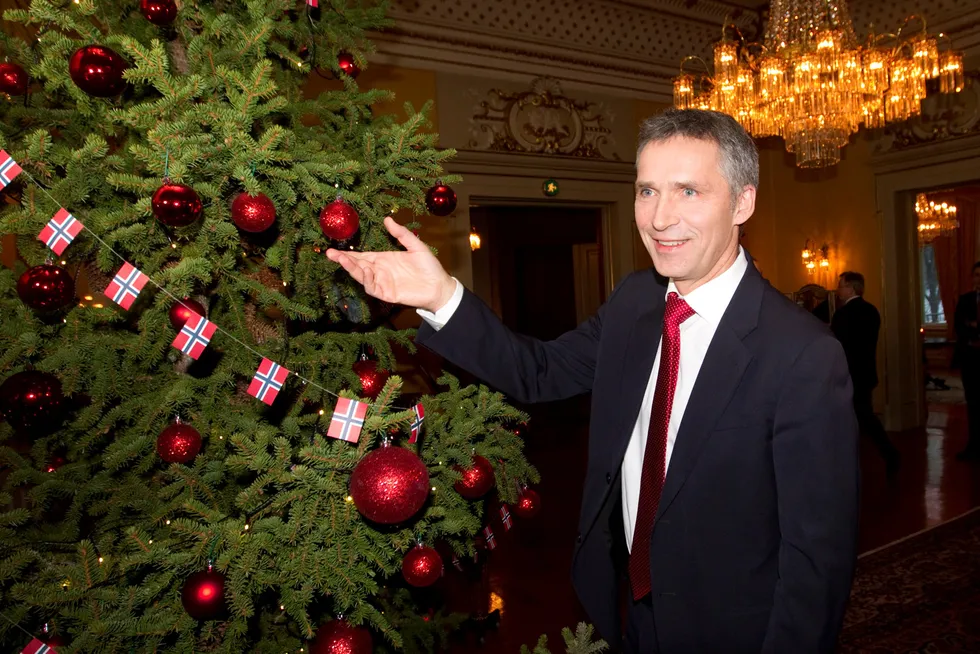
pixel 340 637
pixel 348 64
pixel 13 78
pixel 477 480
pixel 46 288
pixel 339 220
pixel 178 443
pixel 159 12
pixel 253 213
pixel 440 200
pixel 32 401
pixel 203 595
pixel 528 504
pixel 55 463
pixel 372 379
pixel 422 566
pixel 181 311
pixel 176 205
pixel 98 71
pixel 389 485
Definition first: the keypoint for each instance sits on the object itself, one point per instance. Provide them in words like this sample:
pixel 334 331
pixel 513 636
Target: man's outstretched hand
pixel 414 277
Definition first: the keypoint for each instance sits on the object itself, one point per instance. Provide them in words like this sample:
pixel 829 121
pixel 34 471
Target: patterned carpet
pixel 920 595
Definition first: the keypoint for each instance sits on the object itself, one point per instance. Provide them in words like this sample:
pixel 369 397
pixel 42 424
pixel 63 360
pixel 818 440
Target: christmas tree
pixel 196 455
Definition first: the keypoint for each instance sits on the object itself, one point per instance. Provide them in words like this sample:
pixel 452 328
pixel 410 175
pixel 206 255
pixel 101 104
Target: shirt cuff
pixel 439 319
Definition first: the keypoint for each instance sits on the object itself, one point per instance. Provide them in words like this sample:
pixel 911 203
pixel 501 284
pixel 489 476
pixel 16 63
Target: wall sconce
pixel 474 240
pixel 814 257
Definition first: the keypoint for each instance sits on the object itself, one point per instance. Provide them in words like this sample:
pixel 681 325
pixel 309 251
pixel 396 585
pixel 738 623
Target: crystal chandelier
pixel 935 218
pixel 812 83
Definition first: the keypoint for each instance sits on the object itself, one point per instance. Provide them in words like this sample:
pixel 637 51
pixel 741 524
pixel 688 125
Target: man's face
pixel 684 212
pixel 844 292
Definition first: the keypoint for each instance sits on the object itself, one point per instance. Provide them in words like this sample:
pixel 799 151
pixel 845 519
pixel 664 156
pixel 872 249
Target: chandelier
pixel 935 218
pixel 812 83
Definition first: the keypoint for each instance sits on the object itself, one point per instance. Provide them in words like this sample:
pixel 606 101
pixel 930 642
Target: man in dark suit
pixel 967 357
pixel 720 472
pixel 856 325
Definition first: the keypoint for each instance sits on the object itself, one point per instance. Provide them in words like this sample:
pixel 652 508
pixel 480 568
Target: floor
pixel 527 576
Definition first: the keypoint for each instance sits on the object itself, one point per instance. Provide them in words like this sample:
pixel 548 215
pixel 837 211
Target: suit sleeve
pixel 960 319
pixel 815 457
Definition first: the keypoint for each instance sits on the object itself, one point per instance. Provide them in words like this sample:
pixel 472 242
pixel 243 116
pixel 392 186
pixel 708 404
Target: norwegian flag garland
pixel 194 336
pixel 8 169
pixel 268 381
pixel 312 3
pixel 126 286
pixel 488 536
pixel 37 647
pixel 417 423
pixel 505 517
pixel 60 231
pixel 348 419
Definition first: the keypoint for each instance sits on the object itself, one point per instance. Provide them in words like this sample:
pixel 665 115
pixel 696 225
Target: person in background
pixel 856 324
pixel 967 356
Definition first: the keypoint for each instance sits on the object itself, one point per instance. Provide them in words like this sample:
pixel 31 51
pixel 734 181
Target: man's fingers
pixel 408 240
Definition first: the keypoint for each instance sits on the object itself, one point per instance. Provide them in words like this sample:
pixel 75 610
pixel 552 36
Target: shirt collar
pixel 711 299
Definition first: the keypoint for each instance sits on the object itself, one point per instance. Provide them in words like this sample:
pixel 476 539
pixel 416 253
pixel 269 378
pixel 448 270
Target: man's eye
pixel 690 192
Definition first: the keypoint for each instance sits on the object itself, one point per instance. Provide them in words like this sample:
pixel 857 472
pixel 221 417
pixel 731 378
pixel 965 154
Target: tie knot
pixel 677 310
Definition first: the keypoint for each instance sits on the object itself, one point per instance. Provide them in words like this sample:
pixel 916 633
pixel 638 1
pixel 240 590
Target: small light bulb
pixel 97 306
pixel 321 412
pixel 433 488
pixel 284 283
pixel 64 263
pixel 221 438
pixel 350 499
pixel 100 560
pixel 173 245
pixel 246 527
pixel 282 608
pixel 168 522
pixel 151 541
pixel 89 298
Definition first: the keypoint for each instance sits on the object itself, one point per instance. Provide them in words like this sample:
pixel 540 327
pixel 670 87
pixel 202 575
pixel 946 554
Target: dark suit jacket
pixel 856 326
pixel 754 544
pixel 966 311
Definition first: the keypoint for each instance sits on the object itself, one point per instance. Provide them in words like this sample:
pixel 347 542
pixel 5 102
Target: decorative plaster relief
pixel 943 117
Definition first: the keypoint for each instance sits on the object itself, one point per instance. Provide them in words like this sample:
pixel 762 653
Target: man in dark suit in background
pixel 721 472
pixel 856 325
pixel 967 356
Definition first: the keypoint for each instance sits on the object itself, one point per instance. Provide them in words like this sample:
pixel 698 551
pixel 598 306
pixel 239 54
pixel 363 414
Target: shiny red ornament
pixel 440 200
pixel 159 12
pixel 176 205
pixel 348 64
pixel 55 463
pixel 46 288
pixel 372 379
pixel 98 71
pixel 32 401
pixel 178 443
pixel 253 213
pixel 389 485
pixel 339 221
pixel 422 566
pixel 528 504
pixel 181 311
pixel 340 637
pixel 13 78
pixel 203 595
pixel 477 480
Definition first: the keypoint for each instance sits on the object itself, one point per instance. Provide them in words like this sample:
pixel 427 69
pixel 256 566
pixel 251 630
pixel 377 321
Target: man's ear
pixel 745 205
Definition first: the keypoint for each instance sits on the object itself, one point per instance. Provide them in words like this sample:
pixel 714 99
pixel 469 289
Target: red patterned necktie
pixel 655 456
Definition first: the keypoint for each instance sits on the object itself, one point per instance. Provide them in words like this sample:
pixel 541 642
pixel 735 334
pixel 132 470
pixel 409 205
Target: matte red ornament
pixel 372 379
pixel 32 401
pixel 528 504
pixel 348 64
pixel 389 485
pixel 98 71
pixel 159 12
pixel 203 595
pixel 339 221
pixel 422 566
pixel 340 637
pixel 253 213
pixel 440 200
pixel 176 205
pixel 178 443
pixel 181 311
pixel 13 78
pixel 46 288
pixel 477 480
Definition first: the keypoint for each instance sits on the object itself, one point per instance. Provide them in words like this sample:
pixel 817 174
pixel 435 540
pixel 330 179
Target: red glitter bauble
pixel 389 485
pixel 178 443
pixel 477 480
pixel 46 288
pixel 203 595
pixel 422 566
pixel 176 205
pixel 348 64
pixel 159 12
pixel 440 200
pixel 340 637
pixel 253 213
pixel 372 379
pixel 98 71
pixel 181 311
pixel 528 504
pixel 13 78
pixel 339 220
pixel 32 401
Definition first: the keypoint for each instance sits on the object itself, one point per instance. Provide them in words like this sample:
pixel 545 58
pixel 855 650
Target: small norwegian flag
pixel 268 381
pixel 417 423
pixel 195 335
pixel 312 3
pixel 37 647
pixel 456 563
pixel 505 517
pixel 8 169
pixel 126 285
pixel 348 419
pixel 488 536
pixel 60 231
